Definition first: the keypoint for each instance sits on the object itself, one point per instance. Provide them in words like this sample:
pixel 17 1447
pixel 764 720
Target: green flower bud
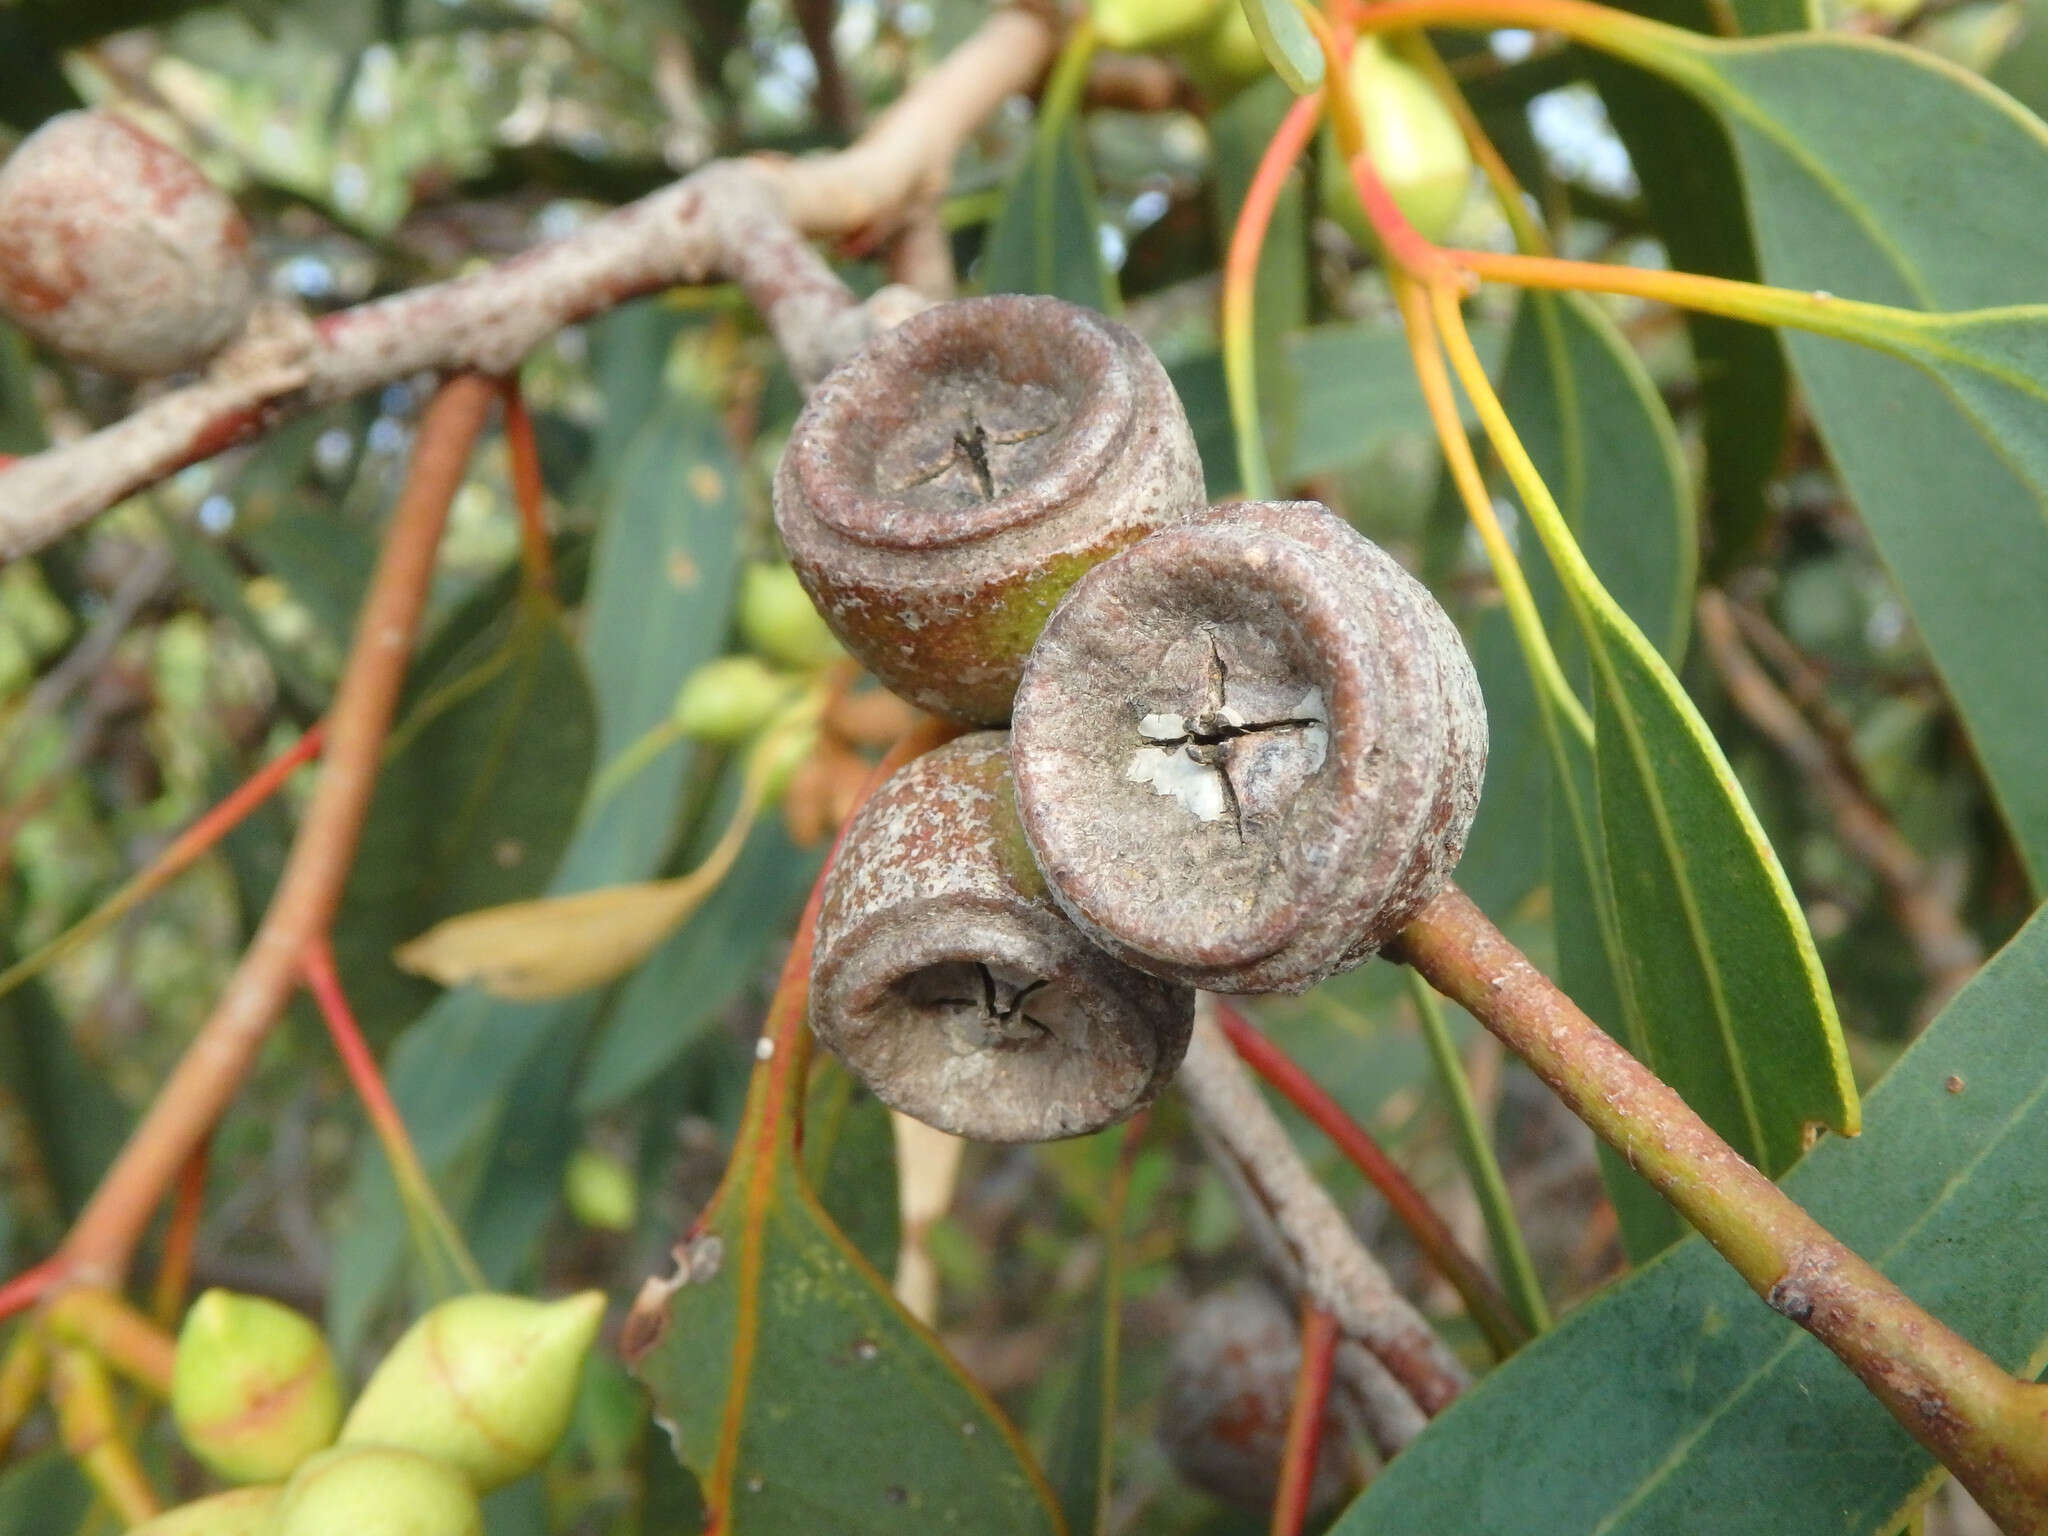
pixel 253 1387
pixel 1136 26
pixel 377 1490
pixel 483 1382
pixel 238 1512
pixel 599 1190
pixel 1414 143
pixel 785 747
pixel 729 699
pixel 779 621
pixel 1227 57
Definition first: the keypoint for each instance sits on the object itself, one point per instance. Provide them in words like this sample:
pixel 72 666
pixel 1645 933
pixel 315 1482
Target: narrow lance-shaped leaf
pixel 1719 961
pixel 1880 173
pixel 797 1390
pixel 1676 1401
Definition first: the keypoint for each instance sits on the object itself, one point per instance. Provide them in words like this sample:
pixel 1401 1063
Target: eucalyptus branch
pixel 1329 1266
pixel 99 1246
pixel 1988 1427
pixel 746 220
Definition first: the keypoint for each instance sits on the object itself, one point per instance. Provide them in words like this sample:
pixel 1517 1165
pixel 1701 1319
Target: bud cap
pixel 482 1382
pixel 253 1387
pixel 238 1512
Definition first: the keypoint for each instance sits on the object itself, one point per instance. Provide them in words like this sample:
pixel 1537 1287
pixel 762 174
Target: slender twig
pixel 835 105
pixel 1989 1428
pixel 1326 1261
pixel 184 851
pixel 1948 951
pixel 90 1426
pixel 422 1204
pixel 185 1110
pixel 1475 1146
pixel 529 492
pixel 1489 1308
pixel 1305 1421
pixel 115 1332
pixel 743 220
pixel 181 1236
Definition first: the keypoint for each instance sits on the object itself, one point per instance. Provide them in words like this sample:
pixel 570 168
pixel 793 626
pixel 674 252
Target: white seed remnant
pixel 1163 727
pixel 1194 785
pixel 764 1048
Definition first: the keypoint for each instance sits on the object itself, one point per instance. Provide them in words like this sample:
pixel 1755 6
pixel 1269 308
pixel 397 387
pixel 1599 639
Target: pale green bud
pixel 779 621
pixel 1227 57
pixel 599 1190
pixel 483 1382
pixel 253 1387
pixel 1414 142
pixel 238 1512
pixel 1136 26
pixel 377 1490
pixel 729 699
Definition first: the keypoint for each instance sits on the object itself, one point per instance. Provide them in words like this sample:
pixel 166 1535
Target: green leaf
pixel 1047 238
pixel 699 969
pixel 1674 1402
pixel 71 1115
pixel 1239 134
pixel 850 1159
pixel 801 1395
pixel 658 603
pixel 21 422
pixel 474 803
pixel 43 1495
pixel 1877 173
pixel 1288 44
pixel 1078 1463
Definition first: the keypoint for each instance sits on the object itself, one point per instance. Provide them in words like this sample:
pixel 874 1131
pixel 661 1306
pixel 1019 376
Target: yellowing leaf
pixel 530 950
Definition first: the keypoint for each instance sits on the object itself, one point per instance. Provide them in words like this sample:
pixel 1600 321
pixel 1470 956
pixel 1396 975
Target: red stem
pixel 1305 1421
pixel 356 1058
pixel 529 492
pixel 181 1235
pixel 1489 1308
pixel 28 1287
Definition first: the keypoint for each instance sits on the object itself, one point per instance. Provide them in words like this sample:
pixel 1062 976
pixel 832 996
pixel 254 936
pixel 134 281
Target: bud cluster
pixel 475 1394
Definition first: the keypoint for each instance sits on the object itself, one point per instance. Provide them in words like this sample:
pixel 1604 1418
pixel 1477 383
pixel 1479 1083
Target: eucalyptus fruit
pixel 1414 142
pixel 1248 750
pixel 946 485
pixel 949 982
pixel 1138 26
pixel 117 251
pixel 253 1387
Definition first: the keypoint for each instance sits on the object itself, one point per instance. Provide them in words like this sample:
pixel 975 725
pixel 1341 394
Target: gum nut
pixel 253 1387
pixel 377 1490
pixel 238 1512
pixel 948 981
pixel 1247 751
pixel 1229 1391
pixel 482 1382
pixel 947 483
pixel 117 251
pixel 1136 26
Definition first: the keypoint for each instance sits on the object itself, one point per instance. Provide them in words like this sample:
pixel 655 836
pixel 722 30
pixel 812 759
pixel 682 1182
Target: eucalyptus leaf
pixel 1288 44
pixel 1676 1404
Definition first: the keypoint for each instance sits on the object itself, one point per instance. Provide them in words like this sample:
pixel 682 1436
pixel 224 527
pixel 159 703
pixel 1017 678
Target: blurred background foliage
pixel 148 664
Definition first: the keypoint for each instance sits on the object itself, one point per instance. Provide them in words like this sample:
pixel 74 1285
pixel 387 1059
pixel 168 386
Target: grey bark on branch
pixel 744 220
pixel 1323 1258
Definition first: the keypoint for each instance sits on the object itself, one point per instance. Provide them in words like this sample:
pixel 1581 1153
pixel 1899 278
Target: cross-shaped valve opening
pixel 997 1015
pixel 1194 757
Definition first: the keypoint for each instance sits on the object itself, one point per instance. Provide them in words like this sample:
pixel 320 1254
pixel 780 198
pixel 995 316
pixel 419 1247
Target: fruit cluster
pixel 474 1395
pixel 1244 745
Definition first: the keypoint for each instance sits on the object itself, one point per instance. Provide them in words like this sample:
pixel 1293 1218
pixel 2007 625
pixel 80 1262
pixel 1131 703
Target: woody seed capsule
pixel 1248 750
pixel 950 984
pixel 948 483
